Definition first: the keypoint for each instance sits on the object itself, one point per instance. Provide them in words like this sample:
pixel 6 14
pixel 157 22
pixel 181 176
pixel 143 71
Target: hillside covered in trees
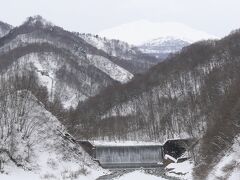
pixel 60 82
pixel 195 93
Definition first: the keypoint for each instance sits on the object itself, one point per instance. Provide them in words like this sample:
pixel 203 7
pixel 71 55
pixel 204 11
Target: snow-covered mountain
pixel 129 56
pixel 195 94
pixel 65 63
pixel 113 47
pixel 162 47
pixel 156 39
pixel 4 28
pixel 142 31
pixel 75 66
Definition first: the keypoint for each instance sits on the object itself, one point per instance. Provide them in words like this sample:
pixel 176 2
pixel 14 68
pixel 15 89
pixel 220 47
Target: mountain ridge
pixel 162 47
pixel 192 94
pixel 4 28
pixel 139 32
pixel 35 31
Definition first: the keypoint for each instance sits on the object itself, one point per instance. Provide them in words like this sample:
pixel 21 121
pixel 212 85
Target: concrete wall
pixel 129 154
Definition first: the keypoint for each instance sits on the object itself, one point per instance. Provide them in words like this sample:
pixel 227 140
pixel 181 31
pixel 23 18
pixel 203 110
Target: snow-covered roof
pixel 128 143
pixel 124 143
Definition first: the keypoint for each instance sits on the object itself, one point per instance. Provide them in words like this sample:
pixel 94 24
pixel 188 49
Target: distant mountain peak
pixel 37 20
pixel 141 31
pixel 164 41
pixel 162 47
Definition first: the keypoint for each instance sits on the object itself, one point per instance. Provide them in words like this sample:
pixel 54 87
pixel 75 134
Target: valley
pixel 140 100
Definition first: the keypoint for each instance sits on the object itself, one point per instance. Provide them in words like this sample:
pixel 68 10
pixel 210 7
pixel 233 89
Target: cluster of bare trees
pixel 17 120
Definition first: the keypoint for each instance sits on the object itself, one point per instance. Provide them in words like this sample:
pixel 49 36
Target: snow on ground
pixel 52 154
pixel 46 66
pixel 138 175
pixel 112 47
pixel 164 45
pixel 95 41
pixel 123 143
pixel 235 174
pixel 114 71
pixel 229 165
pixel 106 142
pixel 180 170
pixel 19 174
pixel 170 157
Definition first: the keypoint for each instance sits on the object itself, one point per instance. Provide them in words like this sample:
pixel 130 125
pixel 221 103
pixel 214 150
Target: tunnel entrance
pixel 176 147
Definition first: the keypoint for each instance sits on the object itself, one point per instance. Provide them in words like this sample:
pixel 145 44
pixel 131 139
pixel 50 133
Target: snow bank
pixel 139 176
pixel 180 170
pixel 123 143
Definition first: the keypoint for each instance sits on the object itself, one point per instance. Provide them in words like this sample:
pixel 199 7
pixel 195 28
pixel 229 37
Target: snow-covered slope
pixel 47 67
pixel 128 56
pixel 142 31
pixel 161 47
pixel 181 170
pixel 4 28
pixel 139 175
pixel 229 165
pixel 61 60
pixel 112 47
pixel 114 71
pixel 41 149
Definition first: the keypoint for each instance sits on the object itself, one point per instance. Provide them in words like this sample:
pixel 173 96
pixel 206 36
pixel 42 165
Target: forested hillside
pixel 128 56
pixel 192 94
pixel 4 28
pixel 92 87
pixel 63 61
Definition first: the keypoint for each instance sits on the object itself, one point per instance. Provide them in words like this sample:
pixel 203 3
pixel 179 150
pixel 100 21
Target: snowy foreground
pixel 49 152
pixel 181 171
pixel 229 165
pixel 71 169
pixel 175 170
pixel 53 154
pixel 139 176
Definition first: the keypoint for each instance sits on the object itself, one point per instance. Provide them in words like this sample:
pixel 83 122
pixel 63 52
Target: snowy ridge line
pixel 139 32
pixel 114 71
pixel 107 66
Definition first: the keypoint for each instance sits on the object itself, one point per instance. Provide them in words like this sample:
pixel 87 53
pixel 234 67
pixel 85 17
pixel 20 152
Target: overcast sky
pixel 217 17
